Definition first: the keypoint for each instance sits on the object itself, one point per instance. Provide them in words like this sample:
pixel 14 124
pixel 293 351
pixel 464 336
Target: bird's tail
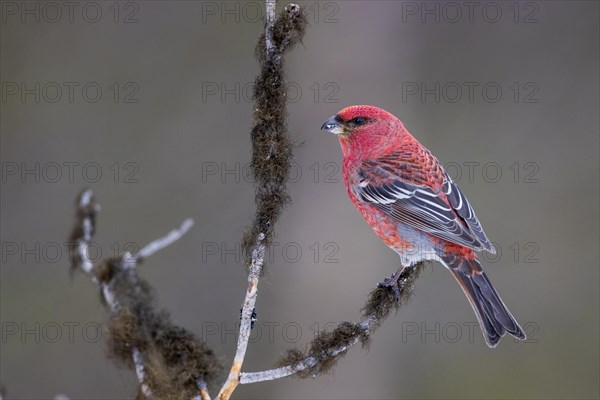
pixel 494 318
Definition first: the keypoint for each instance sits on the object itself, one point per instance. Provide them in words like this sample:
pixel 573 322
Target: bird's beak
pixel 334 124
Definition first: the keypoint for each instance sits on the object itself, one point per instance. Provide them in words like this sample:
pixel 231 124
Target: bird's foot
pixel 388 282
pixel 391 283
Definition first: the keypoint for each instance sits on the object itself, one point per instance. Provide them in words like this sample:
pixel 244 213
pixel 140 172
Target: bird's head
pixel 362 127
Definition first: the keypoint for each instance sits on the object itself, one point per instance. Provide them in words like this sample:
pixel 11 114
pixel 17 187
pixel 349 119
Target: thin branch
pixel 246 322
pixel 140 372
pixel 167 240
pixel 328 347
pixel 83 231
pixel 270 7
pixel 277 373
pixel 307 363
pixel 204 395
pixel 288 370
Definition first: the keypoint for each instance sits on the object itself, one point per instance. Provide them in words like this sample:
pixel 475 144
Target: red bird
pixel 413 205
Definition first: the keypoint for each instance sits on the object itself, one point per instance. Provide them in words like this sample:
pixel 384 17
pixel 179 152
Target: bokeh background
pixel 168 132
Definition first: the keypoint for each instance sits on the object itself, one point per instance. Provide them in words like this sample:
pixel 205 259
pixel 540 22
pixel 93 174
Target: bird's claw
pixel 387 282
pixel 391 283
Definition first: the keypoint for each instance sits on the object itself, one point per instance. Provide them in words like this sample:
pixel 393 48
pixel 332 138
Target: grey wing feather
pixel 461 205
pixel 422 208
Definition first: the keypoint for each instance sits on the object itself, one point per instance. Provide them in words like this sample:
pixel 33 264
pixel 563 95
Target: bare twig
pixel 277 373
pixel 140 372
pixel 83 231
pixel 167 240
pixel 246 322
pixel 270 7
pixel 204 395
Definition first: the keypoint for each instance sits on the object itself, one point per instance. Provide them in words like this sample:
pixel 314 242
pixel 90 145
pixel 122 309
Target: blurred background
pixel 149 104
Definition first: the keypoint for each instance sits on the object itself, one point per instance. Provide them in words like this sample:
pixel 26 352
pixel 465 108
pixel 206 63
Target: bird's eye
pixel 359 120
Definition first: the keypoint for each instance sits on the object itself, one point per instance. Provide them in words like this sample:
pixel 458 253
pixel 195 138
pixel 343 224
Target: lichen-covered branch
pixel 271 154
pixel 168 360
pixel 271 145
pixel 81 237
pixel 328 347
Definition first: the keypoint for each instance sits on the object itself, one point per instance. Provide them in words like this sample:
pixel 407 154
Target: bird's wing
pixel 398 185
pixel 461 206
